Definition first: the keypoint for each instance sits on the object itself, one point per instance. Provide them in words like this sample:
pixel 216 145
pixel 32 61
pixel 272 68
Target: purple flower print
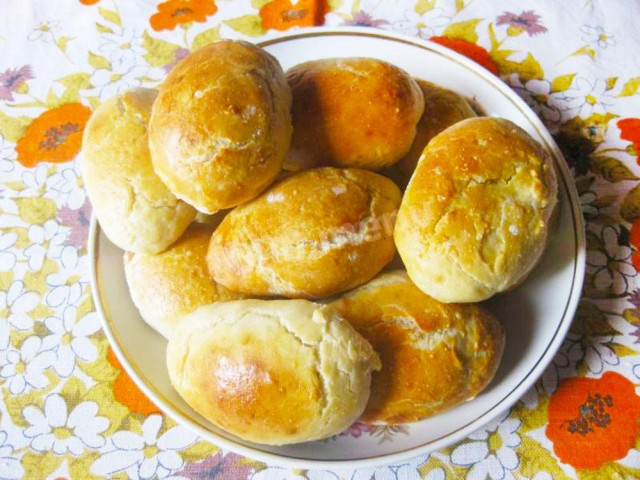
pixel 633 297
pixel 218 466
pixel 78 220
pixel 363 19
pixel 636 333
pixel 357 429
pixel 178 55
pixel 12 79
pixel 527 21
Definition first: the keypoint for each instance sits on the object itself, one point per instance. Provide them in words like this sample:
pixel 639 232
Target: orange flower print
pixel 127 393
pixel 630 130
pixel 89 2
pixel 634 240
pixel 282 14
pixel 174 12
pixel 593 421
pixel 469 50
pixel 55 136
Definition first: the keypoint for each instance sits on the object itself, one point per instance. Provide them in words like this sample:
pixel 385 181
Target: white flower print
pixel 146 455
pixel 34 180
pixel 563 365
pixel 15 305
pixel 436 474
pixel 123 46
pixel 7 257
pixel 610 265
pixel 7 156
pixel 69 339
pixel 598 352
pixel 46 241
pixel 11 467
pixel 281 473
pixel 587 199
pixel 405 471
pixel 542 475
pixel 54 429
pixel 631 460
pixel 594 349
pixel 68 186
pixel 530 397
pixel 409 469
pixel 537 94
pixel 374 474
pixel 24 368
pixel 45 31
pixel 64 291
pixel 491 450
pixel 121 76
pixel 423 26
pixel 5 339
pixel 586 98
pixel 19 303
pixel 597 36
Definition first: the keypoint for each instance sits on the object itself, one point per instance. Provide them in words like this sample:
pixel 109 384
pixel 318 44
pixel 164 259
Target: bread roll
pixel 221 125
pixel 314 234
pixel 351 112
pixel 136 211
pixel 434 355
pixel 442 108
pixel 175 282
pixel 212 220
pixel 274 372
pixel 475 215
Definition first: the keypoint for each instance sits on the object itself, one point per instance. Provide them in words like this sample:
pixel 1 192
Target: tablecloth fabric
pixel 67 408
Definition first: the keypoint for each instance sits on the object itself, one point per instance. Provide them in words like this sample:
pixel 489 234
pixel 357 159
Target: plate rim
pixel 507 401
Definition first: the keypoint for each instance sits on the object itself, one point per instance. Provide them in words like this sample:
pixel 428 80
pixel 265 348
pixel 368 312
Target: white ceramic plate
pixel 536 315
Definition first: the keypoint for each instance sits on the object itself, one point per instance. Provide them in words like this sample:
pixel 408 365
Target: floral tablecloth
pixel 67 408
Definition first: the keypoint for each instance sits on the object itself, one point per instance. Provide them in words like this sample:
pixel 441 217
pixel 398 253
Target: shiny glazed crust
pixel 476 213
pixel 166 286
pixel 351 112
pixel 434 355
pixel 313 234
pixel 221 125
pixel 272 371
pixel 442 108
pixel 135 209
